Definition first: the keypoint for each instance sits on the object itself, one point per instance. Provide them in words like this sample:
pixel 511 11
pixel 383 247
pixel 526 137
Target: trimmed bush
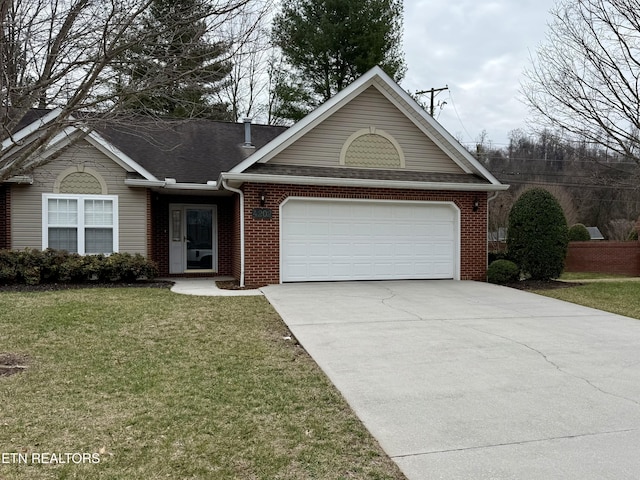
pixel 538 235
pixel 579 233
pixel 502 272
pixel 33 267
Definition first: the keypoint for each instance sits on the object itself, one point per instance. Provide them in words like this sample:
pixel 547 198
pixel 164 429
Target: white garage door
pixel 367 240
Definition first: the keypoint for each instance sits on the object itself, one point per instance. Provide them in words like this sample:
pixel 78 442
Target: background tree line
pixel 594 186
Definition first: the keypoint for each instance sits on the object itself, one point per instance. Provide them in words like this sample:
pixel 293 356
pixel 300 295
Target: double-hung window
pixel 82 224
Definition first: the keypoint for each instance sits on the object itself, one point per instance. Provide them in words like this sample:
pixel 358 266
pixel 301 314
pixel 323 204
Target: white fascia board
pixel 31 128
pixel 361 182
pixel 62 138
pixel 67 135
pixel 118 155
pixel 285 139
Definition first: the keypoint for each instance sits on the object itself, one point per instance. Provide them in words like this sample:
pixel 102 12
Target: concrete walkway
pixel 466 380
pixel 206 287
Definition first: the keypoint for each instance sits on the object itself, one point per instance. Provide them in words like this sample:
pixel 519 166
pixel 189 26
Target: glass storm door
pixel 193 238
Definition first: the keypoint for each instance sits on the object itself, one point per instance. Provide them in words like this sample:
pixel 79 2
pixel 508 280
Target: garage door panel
pixel 341 240
pixel 318 270
pixel 318 250
pixel 340 228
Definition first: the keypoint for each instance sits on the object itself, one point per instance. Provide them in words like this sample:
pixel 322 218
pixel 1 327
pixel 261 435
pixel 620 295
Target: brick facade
pixel 5 217
pixel 159 229
pixel 262 237
pixel 604 257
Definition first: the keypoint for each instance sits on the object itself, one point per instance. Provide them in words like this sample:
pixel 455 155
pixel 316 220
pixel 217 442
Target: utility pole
pixel 433 92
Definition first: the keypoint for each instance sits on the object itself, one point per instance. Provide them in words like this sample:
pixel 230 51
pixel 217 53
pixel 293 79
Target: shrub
pixel 34 266
pixel 538 235
pixel 29 266
pixel 8 267
pixel 503 271
pixel 128 268
pixel 579 233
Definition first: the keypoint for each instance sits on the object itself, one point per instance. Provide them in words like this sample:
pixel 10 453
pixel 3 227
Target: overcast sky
pixel 478 48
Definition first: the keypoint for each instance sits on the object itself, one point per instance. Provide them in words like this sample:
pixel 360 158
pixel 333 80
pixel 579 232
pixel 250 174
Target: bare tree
pixel 585 79
pixel 248 90
pixel 59 53
pixel 620 229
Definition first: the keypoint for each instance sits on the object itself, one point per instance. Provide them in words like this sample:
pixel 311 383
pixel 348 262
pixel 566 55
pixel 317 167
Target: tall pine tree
pixel 328 44
pixel 174 70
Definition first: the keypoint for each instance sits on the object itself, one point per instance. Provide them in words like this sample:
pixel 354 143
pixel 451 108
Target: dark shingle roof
pixel 369 174
pixel 191 151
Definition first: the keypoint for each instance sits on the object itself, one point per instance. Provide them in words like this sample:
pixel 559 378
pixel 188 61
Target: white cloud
pixel 479 49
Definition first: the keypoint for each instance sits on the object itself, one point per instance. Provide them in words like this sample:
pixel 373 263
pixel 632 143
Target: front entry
pixel 193 238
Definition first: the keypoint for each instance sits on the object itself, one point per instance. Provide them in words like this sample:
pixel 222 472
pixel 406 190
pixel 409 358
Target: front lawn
pixel 143 383
pixel 612 296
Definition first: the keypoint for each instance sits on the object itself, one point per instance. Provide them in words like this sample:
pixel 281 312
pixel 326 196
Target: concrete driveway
pixel 465 380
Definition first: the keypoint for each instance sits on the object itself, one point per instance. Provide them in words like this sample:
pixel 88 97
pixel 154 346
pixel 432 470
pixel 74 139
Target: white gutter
pixel 139 182
pixel 241 194
pixel 361 182
pixel 190 186
pixel 136 182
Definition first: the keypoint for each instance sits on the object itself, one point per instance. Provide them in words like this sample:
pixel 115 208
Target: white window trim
pixel 80 225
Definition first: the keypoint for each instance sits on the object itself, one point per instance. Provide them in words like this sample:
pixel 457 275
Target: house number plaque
pixel 262 213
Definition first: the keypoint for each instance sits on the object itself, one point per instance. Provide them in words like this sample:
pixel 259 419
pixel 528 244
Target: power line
pixel 453 103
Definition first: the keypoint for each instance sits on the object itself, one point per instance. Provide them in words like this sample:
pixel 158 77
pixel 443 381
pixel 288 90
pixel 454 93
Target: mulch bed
pixel 50 287
pixel 232 285
pixel 542 284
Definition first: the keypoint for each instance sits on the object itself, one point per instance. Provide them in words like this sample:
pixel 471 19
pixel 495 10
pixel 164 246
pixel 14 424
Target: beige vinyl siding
pixel 26 200
pixel 322 145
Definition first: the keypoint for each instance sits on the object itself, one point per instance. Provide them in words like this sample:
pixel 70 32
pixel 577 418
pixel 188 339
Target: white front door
pixel 193 238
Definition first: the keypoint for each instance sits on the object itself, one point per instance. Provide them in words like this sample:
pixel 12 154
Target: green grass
pixel 617 297
pixel 160 385
pixel 589 276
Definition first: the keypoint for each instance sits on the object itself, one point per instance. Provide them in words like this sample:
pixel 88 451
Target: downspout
pixel 241 194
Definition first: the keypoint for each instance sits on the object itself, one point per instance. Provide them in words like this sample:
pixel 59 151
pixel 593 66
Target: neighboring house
pixel 595 233
pixel 368 186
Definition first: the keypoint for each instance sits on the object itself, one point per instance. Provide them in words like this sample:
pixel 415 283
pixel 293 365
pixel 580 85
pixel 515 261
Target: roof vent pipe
pixel 247 133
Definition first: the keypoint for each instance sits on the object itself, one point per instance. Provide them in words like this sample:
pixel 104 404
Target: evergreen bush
pixel 502 272
pixel 579 233
pixel 538 235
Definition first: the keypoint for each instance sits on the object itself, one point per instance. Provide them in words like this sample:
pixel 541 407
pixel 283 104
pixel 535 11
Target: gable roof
pixel 377 78
pixel 199 153
pixel 191 151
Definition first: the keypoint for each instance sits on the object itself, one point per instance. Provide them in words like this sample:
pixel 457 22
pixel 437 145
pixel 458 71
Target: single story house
pixel 368 186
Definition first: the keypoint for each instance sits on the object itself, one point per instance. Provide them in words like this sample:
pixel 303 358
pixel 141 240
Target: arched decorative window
pixel 372 148
pixel 80 180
